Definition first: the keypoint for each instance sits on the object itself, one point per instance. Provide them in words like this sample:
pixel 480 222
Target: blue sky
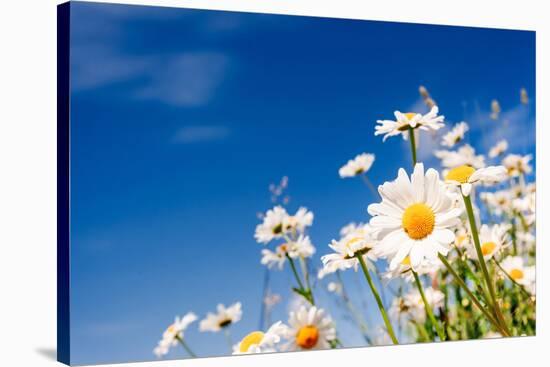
pixel 180 119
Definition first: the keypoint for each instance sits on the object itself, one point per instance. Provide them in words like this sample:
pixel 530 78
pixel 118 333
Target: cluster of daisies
pixel 453 246
pixel 307 328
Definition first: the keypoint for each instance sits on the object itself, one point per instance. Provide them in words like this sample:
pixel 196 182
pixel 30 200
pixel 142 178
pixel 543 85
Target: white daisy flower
pixel 275 258
pixel 273 225
pixel 466 176
pixel 416 218
pixel 498 149
pixel 224 317
pixel 173 333
pixel 403 270
pixel 260 342
pixel 301 248
pixel 517 164
pixel 462 237
pixel 299 221
pixel 415 305
pixel 492 240
pixel 464 156
pixel 455 135
pixel 404 121
pixel 309 329
pixel 357 166
pixel 499 201
pixel 357 242
pixel 516 269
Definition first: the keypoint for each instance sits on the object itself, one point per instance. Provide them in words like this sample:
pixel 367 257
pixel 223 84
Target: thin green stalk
pixel 295 272
pixel 389 328
pixel 185 346
pixel 304 292
pixel 427 306
pixel 488 280
pixel 413 144
pixel 353 311
pixel 228 339
pixel 473 298
pixel 369 185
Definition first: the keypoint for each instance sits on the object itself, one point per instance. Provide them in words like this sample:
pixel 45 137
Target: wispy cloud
pixel 101 56
pixel 188 79
pixel 516 125
pixel 199 134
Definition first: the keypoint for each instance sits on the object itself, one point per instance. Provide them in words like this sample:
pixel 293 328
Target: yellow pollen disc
pixel 171 329
pixel 460 174
pixel 307 337
pixel 410 115
pixel 353 241
pixel 283 247
pixel 460 239
pixel 487 248
pixel 253 338
pixel 516 274
pixel 418 221
pixel 406 261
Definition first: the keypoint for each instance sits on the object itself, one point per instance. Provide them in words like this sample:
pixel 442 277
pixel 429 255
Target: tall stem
pixel 228 338
pixel 486 275
pixel 378 299
pixel 186 347
pixel 428 307
pixel 473 298
pixel 369 185
pixel 295 272
pixel 413 145
pixel 304 292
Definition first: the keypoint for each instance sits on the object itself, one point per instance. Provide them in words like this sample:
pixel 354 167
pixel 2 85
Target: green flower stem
pixel 303 263
pixel 228 338
pixel 353 311
pixel 521 287
pixel 488 280
pixel 369 185
pixel 185 346
pixel 377 297
pixel 427 306
pixel 463 285
pixel 304 292
pixel 295 272
pixel 413 145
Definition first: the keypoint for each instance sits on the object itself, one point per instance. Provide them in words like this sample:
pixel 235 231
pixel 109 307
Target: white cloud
pixel 199 134
pixel 188 79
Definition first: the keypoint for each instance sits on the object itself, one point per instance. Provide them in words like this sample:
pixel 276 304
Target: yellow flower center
pixel 418 221
pixel 460 239
pixel 487 248
pixel 171 328
pixel 410 115
pixel 460 174
pixel 516 274
pixel 406 261
pixel 283 248
pixel 353 241
pixel 307 337
pixel 253 338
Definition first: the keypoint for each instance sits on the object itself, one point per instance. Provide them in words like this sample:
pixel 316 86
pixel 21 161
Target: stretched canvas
pixel 234 183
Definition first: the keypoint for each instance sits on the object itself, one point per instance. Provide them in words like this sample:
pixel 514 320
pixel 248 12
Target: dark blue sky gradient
pixel 180 119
